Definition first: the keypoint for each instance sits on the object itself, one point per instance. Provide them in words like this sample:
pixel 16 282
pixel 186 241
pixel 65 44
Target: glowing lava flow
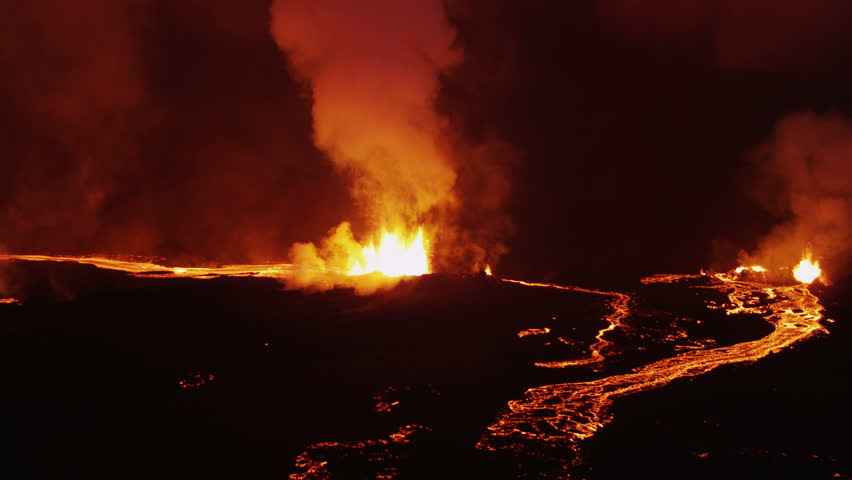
pixel 563 415
pixel 620 306
pixel 313 463
pixel 394 258
pixel 148 269
pixel 364 268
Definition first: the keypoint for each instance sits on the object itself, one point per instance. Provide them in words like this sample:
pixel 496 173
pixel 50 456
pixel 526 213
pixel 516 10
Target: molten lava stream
pixel 565 414
pixel 392 257
pixel 620 305
pixel 144 269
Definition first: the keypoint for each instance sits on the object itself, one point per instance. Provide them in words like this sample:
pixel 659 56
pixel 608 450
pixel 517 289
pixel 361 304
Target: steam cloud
pixel 373 68
pixel 803 173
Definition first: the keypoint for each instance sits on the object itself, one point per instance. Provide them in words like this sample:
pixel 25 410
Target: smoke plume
pixel 373 68
pixel 160 129
pixel 802 174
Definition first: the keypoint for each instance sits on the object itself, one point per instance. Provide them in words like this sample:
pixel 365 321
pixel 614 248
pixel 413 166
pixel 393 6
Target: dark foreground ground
pixel 109 376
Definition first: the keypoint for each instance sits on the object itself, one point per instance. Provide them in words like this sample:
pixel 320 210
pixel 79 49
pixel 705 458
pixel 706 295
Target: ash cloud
pixel 803 174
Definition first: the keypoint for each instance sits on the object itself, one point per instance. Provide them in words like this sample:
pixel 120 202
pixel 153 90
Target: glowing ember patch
pixel 488 270
pixel 195 380
pixel 380 455
pixel 10 301
pixel 807 270
pixel 394 258
pixel 533 331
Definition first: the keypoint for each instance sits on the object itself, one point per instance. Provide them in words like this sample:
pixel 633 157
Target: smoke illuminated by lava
pixel 805 179
pixel 373 70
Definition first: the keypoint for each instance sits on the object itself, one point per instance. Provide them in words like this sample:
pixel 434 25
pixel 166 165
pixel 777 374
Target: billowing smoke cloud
pixel 803 174
pixel 166 129
pixel 739 34
pixel 374 69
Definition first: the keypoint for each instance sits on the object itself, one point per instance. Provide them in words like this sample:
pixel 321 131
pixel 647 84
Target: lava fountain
pixel 807 270
pixel 394 257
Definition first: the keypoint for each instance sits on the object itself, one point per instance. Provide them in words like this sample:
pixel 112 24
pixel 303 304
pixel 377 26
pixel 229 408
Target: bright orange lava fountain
pixel 807 270
pixel 395 258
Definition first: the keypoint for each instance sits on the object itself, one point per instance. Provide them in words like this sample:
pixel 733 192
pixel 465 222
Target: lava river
pixel 563 415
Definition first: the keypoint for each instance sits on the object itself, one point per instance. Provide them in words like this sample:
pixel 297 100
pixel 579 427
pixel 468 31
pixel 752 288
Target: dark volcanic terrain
pixel 106 375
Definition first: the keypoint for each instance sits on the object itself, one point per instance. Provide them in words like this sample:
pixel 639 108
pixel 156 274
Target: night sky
pixel 176 129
